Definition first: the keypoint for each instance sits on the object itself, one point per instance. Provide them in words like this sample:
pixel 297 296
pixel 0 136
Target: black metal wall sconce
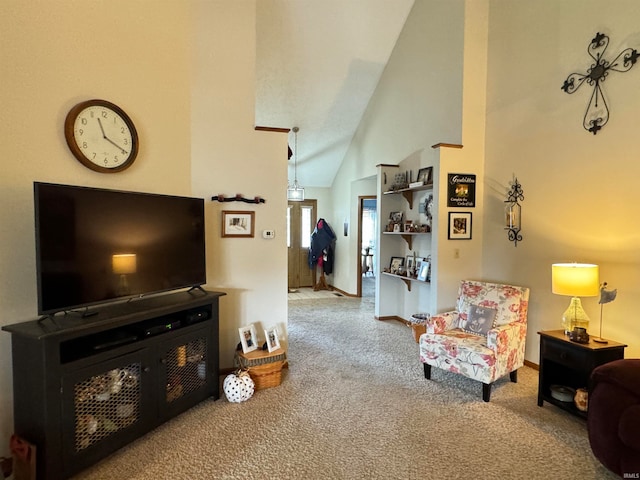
pixel 513 212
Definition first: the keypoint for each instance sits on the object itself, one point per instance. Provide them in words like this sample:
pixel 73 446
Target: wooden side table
pixel 567 363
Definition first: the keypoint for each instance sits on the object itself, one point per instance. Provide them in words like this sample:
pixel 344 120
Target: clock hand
pixel 116 145
pixel 104 135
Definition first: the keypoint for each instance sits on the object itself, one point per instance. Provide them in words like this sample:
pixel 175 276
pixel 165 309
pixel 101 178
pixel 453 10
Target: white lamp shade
pixel 295 193
pixel 575 279
pixel 124 264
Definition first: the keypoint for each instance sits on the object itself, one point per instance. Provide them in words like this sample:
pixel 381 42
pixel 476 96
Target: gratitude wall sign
pixel 462 190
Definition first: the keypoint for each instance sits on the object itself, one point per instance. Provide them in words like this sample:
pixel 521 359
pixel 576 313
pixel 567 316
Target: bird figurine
pixel 606 296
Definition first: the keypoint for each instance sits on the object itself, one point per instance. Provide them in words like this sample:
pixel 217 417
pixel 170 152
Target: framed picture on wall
pixel 459 225
pixel 238 223
pixel 461 190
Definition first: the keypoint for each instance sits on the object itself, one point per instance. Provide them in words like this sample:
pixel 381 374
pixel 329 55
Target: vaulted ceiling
pixel 317 64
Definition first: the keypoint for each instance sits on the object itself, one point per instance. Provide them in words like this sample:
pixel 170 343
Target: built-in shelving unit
pixel 407 193
pixel 408 236
pixel 407 280
pixel 397 298
pixel 394 300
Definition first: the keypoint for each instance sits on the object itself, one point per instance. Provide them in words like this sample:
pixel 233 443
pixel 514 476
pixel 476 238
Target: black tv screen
pixel 96 245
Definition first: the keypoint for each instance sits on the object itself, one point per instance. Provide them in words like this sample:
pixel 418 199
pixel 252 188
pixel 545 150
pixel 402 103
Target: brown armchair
pixel 613 417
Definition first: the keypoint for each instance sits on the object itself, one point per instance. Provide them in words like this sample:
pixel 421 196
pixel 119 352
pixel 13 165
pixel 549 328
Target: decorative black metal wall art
pixel 513 212
pixel 597 114
pixel 237 198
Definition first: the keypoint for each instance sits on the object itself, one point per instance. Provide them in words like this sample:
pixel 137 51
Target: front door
pixel 301 220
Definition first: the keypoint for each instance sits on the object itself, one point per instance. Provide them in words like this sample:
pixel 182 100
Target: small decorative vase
pixel 582 399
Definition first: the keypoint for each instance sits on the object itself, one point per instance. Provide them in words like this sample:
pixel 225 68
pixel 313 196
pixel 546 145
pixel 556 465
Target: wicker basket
pixel 268 375
pixel 264 368
pixel 418 329
pixel 419 325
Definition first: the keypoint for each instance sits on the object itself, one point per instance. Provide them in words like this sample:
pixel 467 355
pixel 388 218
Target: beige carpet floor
pixel 354 404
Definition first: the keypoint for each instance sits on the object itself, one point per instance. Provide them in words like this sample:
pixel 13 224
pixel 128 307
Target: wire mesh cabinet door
pixel 105 406
pixel 187 364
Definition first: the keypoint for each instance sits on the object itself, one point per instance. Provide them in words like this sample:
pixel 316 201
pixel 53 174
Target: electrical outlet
pixel 268 234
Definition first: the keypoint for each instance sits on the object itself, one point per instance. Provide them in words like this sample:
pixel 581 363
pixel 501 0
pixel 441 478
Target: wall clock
pixel 101 136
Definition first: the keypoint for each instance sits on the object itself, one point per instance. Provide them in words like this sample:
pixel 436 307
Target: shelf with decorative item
pixel 408 236
pixel 407 280
pixel 407 193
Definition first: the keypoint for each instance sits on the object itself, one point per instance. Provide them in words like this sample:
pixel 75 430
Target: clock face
pixel 101 136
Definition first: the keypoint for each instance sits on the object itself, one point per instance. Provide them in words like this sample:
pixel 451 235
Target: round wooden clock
pixel 101 136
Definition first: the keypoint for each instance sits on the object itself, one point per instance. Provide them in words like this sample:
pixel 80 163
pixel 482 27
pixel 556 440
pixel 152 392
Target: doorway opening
pixel 301 220
pixel 367 228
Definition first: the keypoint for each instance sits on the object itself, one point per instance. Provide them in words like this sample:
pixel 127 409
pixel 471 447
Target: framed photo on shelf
pixel 396 217
pixel 409 262
pixel 248 338
pixel 425 175
pixel 459 226
pixel 423 273
pixel 273 342
pixel 395 264
pixel 238 224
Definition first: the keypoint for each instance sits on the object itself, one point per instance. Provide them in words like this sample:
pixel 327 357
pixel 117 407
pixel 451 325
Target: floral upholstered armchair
pixel 483 339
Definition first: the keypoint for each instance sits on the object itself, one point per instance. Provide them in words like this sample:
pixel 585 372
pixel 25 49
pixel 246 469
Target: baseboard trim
pixel 393 318
pixel 342 292
pixel 535 366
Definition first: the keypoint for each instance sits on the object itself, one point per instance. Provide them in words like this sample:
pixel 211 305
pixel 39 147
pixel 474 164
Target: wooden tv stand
pixel 84 387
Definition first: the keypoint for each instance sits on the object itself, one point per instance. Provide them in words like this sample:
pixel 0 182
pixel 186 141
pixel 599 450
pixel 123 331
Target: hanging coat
pixel 322 244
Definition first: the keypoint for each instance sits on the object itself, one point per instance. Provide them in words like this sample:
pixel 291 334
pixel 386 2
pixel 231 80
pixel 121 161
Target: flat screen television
pixel 95 245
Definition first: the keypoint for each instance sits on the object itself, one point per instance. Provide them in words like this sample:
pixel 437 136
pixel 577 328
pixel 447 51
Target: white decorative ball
pixel 238 387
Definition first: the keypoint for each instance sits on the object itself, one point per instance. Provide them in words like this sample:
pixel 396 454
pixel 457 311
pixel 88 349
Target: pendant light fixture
pixel 295 192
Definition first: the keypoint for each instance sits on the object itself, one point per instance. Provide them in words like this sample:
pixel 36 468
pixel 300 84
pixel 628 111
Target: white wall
pixel 324 200
pixel 187 83
pixel 418 102
pixel 516 121
pixel 580 196
pixel 229 157
pixel 49 65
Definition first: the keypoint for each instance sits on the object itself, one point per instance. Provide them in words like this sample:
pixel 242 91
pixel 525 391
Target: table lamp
pixel 575 280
